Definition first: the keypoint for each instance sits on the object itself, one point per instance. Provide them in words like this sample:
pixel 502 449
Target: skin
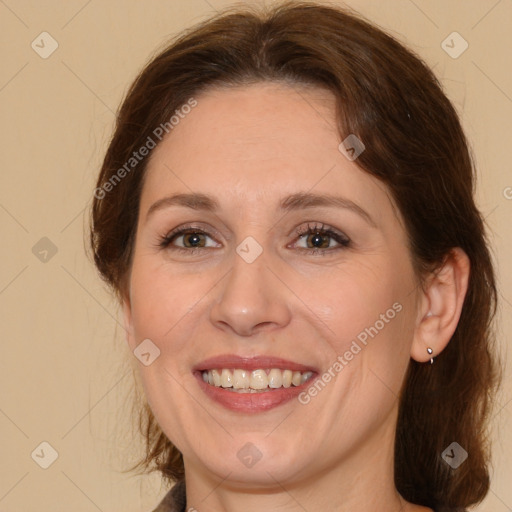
pixel 249 147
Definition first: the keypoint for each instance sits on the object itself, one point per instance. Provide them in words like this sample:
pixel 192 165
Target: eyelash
pixel 322 229
pixel 310 229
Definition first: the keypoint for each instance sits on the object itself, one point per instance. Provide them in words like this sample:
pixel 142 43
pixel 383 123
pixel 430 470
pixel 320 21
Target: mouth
pixel 254 384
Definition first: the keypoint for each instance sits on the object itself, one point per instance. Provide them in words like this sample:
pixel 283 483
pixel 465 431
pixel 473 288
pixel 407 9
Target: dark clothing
pixel 175 500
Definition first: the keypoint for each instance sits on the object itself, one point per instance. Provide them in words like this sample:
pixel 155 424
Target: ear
pixel 441 306
pixel 128 319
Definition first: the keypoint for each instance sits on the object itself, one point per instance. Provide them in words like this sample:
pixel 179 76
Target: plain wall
pixel 64 372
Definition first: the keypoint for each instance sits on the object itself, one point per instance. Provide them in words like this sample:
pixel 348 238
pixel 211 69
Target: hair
pixel 414 143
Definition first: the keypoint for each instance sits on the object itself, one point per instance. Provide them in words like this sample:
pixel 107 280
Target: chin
pixel 259 464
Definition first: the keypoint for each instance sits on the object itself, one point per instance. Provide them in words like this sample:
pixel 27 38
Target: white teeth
pixel 296 378
pixel 217 380
pixel 287 378
pixel 259 379
pixel 226 379
pixel 244 381
pixel 275 378
pixel 241 379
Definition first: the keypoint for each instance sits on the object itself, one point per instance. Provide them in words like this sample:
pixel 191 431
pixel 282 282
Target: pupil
pixel 193 238
pixel 317 240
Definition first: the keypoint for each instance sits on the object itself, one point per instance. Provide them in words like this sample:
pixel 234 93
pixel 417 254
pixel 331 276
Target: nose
pixel 251 299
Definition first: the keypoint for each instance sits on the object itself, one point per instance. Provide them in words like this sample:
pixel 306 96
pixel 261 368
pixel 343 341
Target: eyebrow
pixel 294 202
pixel 303 200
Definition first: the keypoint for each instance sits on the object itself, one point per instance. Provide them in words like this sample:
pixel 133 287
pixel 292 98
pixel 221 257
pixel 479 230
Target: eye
pixel 320 239
pixel 188 239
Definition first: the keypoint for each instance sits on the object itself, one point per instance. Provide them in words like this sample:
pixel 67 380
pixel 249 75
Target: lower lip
pixel 251 402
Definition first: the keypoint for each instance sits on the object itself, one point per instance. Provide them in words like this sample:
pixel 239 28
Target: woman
pixel 286 214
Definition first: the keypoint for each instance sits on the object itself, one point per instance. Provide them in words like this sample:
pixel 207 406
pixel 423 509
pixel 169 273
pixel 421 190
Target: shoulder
pixel 175 500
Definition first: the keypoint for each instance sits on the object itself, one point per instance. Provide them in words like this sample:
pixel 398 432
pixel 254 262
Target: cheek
pixel 161 301
pixel 370 328
pixel 354 301
pixel 161 312
pixel 367 313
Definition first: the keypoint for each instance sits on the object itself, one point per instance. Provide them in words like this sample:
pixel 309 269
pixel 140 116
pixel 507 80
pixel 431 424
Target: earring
pixel 430 352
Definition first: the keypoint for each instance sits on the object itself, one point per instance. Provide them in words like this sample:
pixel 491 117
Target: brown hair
pixel 414 144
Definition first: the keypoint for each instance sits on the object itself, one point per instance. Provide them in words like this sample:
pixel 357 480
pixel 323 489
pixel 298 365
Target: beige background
pixel 64 370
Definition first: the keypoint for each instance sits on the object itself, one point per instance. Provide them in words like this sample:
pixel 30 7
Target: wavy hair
pixel 415 144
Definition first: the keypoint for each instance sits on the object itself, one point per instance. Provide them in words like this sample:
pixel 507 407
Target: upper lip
pixel 234 361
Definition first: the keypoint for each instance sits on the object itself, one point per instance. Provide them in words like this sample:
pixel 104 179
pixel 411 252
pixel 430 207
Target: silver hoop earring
pixel 430 352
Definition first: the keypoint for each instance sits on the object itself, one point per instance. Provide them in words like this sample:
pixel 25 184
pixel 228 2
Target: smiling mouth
pixel 255 381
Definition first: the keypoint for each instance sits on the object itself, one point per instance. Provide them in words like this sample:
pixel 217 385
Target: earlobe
pixel 441 307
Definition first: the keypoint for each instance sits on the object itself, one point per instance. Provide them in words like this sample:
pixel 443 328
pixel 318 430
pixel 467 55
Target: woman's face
pixel 247 280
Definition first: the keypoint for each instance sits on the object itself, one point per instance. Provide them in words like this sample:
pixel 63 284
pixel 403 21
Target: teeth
pixel 241 379
pixel 296 378
pixel 287 378
pixel 217 379
pixel 275 378
pixel 244 381
pixel 226 379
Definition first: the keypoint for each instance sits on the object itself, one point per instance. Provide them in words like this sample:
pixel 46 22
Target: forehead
pixel 258 141
pixel 265 122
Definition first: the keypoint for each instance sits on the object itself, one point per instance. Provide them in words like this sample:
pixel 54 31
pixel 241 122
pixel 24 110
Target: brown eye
pixel 188 239
pixel 318 240
pixel 194 239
